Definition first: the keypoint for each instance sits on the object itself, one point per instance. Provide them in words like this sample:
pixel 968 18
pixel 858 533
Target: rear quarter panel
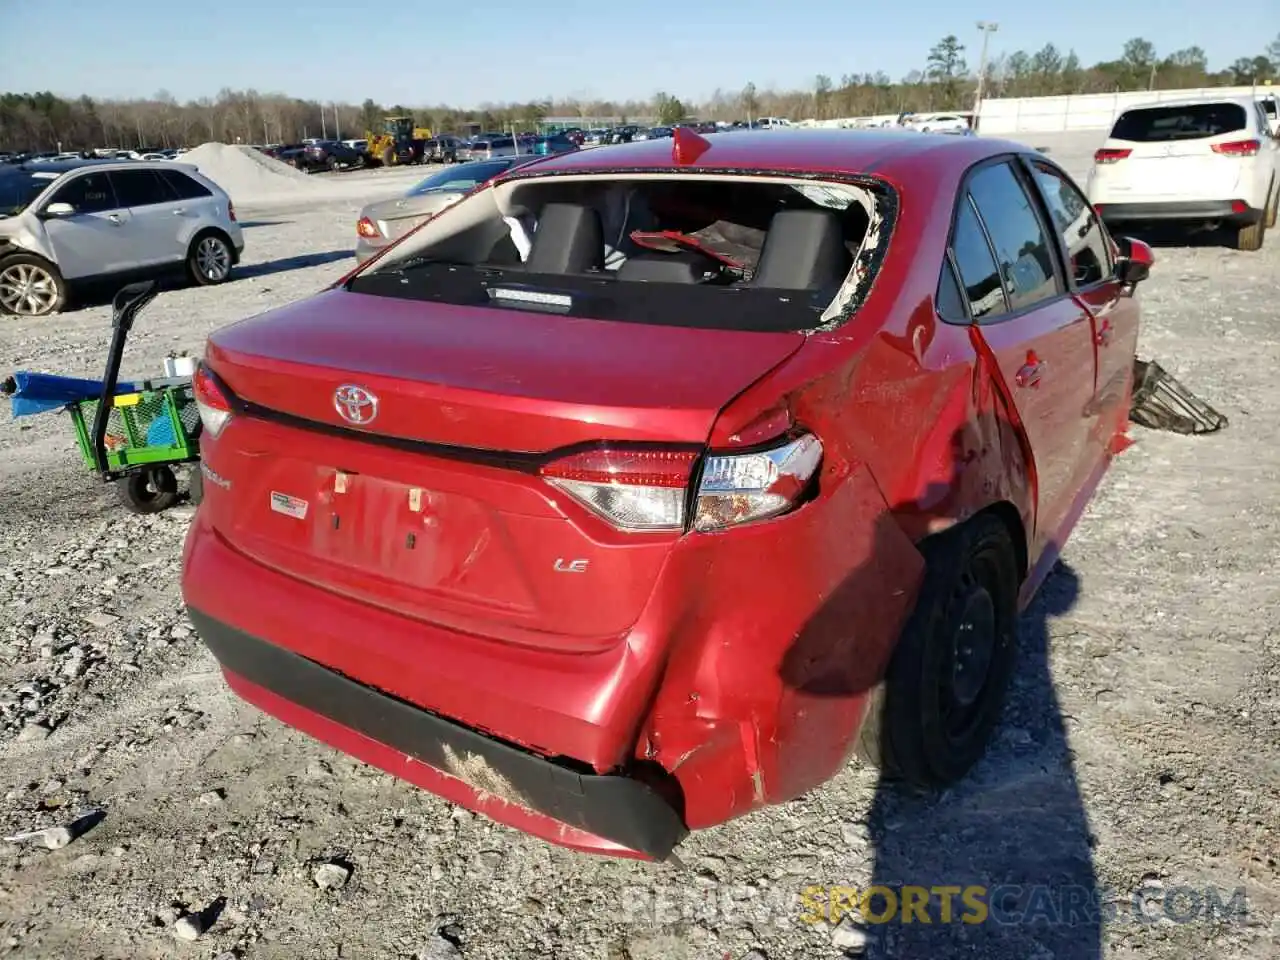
pixel 915 439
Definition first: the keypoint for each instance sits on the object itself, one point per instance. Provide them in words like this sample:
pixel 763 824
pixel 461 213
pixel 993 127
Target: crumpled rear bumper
pixel 600 813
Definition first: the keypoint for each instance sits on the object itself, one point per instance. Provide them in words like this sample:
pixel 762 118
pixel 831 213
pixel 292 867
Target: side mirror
pixel 59 210
pixel 1133 265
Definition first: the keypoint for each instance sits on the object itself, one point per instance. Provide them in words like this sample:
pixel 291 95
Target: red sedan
pixel 646 485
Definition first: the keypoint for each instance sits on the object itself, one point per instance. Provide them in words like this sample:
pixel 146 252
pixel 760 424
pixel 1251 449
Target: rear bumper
pixel 365 249
pixel 1179 211
pixel 602 813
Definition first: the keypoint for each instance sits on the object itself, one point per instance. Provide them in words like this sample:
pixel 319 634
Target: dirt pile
pixel 250 176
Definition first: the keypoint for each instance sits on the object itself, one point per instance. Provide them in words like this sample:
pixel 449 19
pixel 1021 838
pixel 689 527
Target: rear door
pixel 96 239
pixel 156 216
pixel 1167 153
pixel 1036 336
pixel 1086 253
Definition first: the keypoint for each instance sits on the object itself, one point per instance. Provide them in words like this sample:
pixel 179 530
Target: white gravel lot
pixel 1141 746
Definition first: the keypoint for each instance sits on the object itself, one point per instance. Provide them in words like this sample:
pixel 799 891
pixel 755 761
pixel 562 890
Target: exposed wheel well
pixel 9 250
pixel 1012 520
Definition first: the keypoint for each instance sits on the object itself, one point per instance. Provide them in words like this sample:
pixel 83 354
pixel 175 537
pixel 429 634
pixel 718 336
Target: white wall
pixel 1093 111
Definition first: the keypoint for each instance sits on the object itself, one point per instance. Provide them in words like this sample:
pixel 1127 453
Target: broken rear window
pixel 710 251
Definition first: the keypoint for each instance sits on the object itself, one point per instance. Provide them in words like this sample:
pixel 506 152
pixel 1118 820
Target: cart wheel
pixel 149 491
pixel 195 485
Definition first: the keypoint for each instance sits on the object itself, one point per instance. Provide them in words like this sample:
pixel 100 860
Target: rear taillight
pixel 1106 155
pixel 738 488
pixel 632 489
pixel 211 402
pixel 367 229
pixel 649 489
pixel 1238 148
pixel 231 211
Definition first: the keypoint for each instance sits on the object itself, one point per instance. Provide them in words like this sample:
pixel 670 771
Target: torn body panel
pixel 765 697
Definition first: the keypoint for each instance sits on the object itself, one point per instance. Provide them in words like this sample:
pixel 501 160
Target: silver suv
pixel 67 223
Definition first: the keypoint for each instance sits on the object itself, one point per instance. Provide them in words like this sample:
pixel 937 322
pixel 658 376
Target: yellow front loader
pixel 399 142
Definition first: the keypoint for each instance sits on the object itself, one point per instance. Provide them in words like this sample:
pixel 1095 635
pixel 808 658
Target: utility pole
pixel 987 28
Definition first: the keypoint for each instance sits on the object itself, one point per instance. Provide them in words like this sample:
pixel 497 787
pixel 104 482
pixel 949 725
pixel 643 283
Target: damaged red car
pixel 648 485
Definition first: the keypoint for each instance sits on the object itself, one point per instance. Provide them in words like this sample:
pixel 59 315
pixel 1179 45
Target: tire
pixel 970 588
pixel 30 286
pixel 331 165
pixel 149 491
pixel 210 259
pixel 1275 205
pixel 195 484
pixel 1250 237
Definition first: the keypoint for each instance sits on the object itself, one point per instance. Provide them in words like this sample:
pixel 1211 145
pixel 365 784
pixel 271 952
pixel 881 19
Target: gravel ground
pixel 1141 746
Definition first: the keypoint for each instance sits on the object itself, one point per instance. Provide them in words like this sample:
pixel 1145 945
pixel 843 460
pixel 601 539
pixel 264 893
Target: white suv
pixel 1194 162
pixel 65 224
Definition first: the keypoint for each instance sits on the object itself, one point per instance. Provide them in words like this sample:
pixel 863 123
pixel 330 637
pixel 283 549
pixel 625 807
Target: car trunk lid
pixel 433 507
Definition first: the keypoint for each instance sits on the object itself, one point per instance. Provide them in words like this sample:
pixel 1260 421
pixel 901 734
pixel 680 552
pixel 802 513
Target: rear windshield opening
pixel 1189 122
pixel 710 251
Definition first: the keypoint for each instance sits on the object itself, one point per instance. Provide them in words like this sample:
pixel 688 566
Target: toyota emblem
pixel 355 404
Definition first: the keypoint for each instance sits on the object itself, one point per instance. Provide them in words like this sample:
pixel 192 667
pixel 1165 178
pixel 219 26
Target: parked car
pixel 1196 163
pixel 554 143
pixel 69 223
pixel 941 123
pixel 330 155
pixel 384 222
pixel 487 148
pixel 442 149
pixel 647 484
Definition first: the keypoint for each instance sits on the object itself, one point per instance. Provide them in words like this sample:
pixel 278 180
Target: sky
pixel 467 53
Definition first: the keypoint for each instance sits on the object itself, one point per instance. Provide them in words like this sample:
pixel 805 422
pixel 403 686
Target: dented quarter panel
pixel 771 673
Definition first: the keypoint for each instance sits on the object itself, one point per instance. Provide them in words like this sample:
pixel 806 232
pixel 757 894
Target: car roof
pixel 66 166
pixel 835 151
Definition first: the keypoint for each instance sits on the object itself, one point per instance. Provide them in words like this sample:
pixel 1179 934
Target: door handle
pixel 114 218
pixel 180 212
pixel 1030 373
pixel 1103 337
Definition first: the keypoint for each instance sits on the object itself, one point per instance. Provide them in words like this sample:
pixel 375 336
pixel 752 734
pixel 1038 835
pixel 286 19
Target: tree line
pixel 945 81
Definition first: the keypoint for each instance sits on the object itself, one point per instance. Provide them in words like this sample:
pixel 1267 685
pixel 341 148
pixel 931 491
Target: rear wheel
pixel 195 485
pixel 1275 205
pixel 30 286
pixel 209 261
pixel 1250 237
pixel 149 491
pixel 932 716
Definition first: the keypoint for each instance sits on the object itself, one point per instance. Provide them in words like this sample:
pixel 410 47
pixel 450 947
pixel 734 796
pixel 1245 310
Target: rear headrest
pixel 804 249
pixel 664 268
pixel 569 239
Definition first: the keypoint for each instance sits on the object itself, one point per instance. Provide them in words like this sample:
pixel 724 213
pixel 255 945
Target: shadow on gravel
pixel 250 224
pixel 1012 836
pixel 999 866
pixel 285 264
pixel 99 294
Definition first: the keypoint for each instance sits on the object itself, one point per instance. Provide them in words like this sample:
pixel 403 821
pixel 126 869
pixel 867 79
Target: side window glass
pixel 88 193
pixel 1022 248
pixel 184 187
pixel 139 188
pixel 1088 254
pixel 950 299
pixel 978 272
